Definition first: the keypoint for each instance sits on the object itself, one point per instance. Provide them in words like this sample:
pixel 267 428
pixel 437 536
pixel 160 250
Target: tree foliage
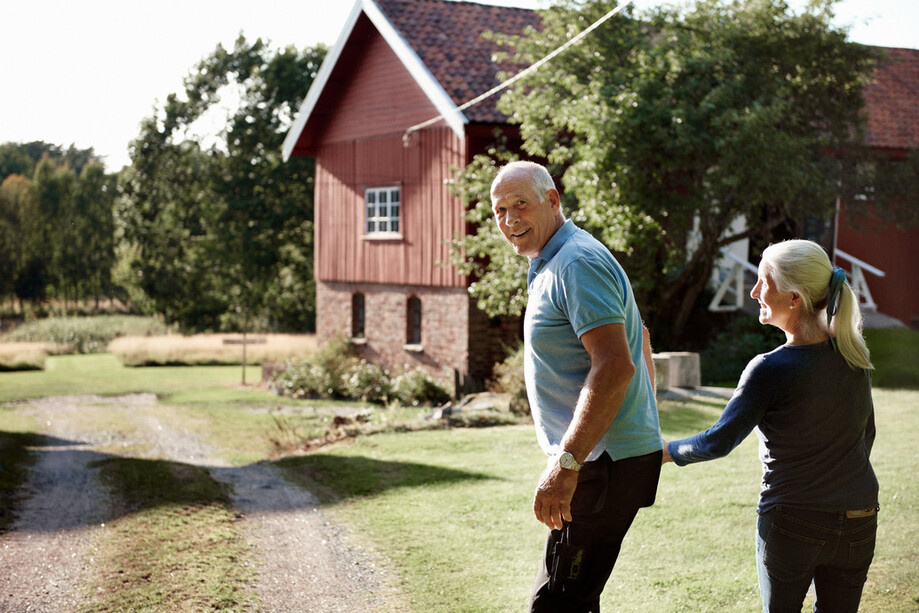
pixel 55 223
pixel 221 230
pixel 22 158
pixel 666 129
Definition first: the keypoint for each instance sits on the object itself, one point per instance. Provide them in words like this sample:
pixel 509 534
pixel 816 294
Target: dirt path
pixel 303 560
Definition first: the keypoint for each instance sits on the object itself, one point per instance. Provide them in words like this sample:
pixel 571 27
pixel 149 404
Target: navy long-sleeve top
pixel 814 417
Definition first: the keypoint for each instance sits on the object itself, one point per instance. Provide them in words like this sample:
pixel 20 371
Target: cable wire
pixel 532 68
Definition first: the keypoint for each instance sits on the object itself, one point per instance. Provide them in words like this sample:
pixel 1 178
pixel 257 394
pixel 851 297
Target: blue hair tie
pixel 832 302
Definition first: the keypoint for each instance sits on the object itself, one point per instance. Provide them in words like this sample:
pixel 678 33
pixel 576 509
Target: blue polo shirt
pixel 574 285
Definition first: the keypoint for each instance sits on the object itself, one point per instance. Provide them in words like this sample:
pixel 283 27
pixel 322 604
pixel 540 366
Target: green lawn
pixel 451 508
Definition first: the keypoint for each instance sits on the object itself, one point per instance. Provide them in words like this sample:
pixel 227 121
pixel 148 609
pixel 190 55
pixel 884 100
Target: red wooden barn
pixel 383 206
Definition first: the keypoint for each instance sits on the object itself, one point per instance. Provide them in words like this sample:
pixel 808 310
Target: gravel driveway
pixel 303 560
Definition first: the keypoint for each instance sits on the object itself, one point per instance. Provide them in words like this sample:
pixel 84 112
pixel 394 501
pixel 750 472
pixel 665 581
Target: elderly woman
pixel 810 404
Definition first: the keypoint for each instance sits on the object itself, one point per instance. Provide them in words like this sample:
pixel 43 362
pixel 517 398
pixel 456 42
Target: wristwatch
pixel 566 460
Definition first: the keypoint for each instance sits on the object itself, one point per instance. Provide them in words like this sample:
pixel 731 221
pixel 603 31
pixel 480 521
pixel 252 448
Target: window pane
pixel 382 209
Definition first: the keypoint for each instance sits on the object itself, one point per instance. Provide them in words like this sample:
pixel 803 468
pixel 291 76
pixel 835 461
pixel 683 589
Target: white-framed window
pixel 383 207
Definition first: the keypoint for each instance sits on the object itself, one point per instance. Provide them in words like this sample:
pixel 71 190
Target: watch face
pixel 566 460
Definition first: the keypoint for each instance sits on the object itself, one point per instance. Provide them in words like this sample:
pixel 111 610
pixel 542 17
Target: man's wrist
pixel 567 461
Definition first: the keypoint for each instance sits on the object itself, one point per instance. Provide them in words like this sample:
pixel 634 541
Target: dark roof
pixel 447 36
pixel 892 99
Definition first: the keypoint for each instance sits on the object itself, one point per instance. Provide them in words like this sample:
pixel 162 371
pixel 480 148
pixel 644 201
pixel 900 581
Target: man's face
pixel 526 221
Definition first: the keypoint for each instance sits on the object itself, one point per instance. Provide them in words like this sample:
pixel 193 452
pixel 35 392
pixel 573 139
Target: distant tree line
pixel 56 224
pixel 209 228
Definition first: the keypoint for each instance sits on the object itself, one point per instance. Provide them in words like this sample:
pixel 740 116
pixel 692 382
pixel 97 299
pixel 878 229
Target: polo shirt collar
pixel 552 246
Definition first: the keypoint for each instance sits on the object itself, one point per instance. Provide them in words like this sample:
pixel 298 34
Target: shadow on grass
pixel 59 478
pixel 339 477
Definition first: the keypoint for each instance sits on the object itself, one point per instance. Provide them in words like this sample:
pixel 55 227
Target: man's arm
pixel 611 369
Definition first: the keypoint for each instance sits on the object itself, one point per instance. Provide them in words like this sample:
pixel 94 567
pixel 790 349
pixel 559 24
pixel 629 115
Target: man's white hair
pixel 542 180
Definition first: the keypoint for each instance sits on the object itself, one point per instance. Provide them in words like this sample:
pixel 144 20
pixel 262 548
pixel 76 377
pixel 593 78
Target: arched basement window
pixel 357 315
pixel 413 321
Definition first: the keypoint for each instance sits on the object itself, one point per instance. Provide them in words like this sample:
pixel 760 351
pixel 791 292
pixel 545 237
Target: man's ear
pixel 554 199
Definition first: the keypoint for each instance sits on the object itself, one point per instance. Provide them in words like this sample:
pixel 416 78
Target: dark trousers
pixel 580 557
pixel 795 547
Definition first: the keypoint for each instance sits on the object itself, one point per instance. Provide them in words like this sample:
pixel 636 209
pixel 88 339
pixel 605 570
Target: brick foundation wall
pixel 444 333
pixel 459 344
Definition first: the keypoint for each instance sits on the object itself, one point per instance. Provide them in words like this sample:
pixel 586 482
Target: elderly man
pixel 588 376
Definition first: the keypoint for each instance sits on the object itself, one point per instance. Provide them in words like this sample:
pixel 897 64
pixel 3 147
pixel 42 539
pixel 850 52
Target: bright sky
pixel 87 72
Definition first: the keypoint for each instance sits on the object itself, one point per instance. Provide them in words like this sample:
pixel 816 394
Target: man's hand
pixel 552 501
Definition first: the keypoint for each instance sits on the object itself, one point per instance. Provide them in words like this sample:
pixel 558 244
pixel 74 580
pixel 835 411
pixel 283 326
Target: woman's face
pixel 774 306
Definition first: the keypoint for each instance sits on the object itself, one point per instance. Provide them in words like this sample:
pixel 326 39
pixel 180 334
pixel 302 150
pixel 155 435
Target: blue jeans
pixel 795 547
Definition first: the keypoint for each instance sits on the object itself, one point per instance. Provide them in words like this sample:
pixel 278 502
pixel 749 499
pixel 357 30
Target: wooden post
pixel 244 342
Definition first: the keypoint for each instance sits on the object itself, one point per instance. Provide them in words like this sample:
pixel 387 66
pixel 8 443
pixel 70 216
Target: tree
pixel 15 161
pixel 21 240
pixel 666 130
pixel 54 187
pixel 224 232
pixel 22 158
pixel 95 240
pixel 13 190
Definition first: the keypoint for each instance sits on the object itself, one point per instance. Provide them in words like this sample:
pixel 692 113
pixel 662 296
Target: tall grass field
pixel 211 349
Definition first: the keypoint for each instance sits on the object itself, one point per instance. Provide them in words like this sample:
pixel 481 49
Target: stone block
pixel 661 372
pixel 683 369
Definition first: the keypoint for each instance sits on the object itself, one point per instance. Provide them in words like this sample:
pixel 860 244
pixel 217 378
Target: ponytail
pixel 846 329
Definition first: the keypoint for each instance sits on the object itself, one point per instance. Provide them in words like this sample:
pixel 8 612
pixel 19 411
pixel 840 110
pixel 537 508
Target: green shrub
pixel 417 387
pixel 367 382
pixel 509 380
pixel 335 372
pixel 85 334
pixel 306 380
pixel 727 354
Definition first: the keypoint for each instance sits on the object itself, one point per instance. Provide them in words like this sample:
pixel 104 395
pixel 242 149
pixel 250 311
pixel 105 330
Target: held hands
pixel 666 457
pixel 552 501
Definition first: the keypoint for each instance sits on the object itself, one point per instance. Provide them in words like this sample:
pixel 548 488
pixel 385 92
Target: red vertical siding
pixel 891 250
pixel 430 214
pixel 377 96
pixel 361 146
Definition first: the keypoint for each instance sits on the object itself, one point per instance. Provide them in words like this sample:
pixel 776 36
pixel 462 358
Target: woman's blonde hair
pixel 802 266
